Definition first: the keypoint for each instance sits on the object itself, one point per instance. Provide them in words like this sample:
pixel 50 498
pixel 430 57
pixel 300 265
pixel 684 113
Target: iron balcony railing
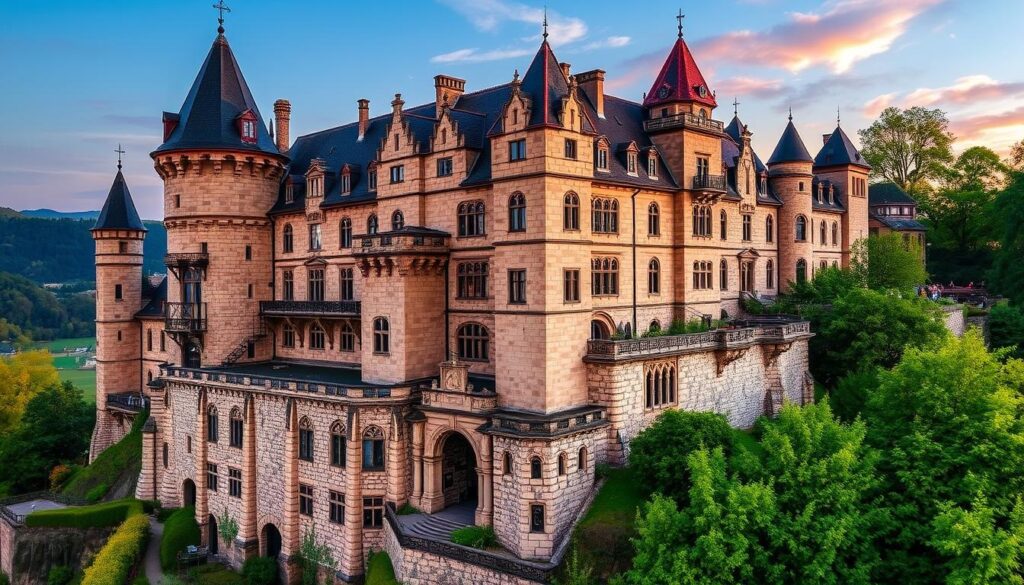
pixel 185 317
pixel 709 182
pixel 685 120
pixel 323 308
pixel 610 349
pixel 127 401
pixel 186 259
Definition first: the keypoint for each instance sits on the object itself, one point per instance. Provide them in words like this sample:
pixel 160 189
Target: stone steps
pixel 432 526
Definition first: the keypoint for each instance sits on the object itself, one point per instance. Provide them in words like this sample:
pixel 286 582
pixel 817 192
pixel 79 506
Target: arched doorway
pixel 747 277
pixel 270 541
pixel 598 330
pixel 188 493
pixel 458 470
pixel 211 534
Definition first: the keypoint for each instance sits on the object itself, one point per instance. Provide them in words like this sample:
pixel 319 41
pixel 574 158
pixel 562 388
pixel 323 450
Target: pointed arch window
pixel 723 275
pixel 288 240
pixel 653 219
pixel 212 424
pixel 702 221
pixel 571 212
pixel 316 336
pixel 517 212
pixel 471 218
pixel 605 276
pixel 769 229
pixel 660 386
pixel 581 459
pixel 348 337
pixel 801 271
pixel 801 228
pixel 835 233
pixel 397 220
pixel 305 439
pixel 373 448
pixel 345 230
pixel 822 233
pixel 338 446
pixel 536 468
pixel 371 224
pixel 235 430
pixel 605 216
pixel 654 277
pixel 723 224
pixel 769 274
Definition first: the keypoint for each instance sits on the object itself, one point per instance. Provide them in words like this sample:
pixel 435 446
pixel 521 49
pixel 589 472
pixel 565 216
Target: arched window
pixel 702 221
pixel 507 464
pixel 338 444
pixel 371 224
pixel 801 270
pixel 517 212
pixel 397 220
pixel 536 468
pixel 346 232
pixel 562 463
pixel 235 430
pixel 212 424
pixel 149 376
pixel 581 459
pixel 824 264
pixel 381 335
pixel 598 330
pixel 769 229
pixel 471 280
pixel 473 340
pixel 801 228
pixel 471 218
pixel 605 276
pixel 660 386
pixel 835 233
pixel 373 448
pixel 723 224
pixel 305 439
pixel 348 337
pixel 654 277
pixel 823 239
pixel 571 212
pixel 317 336
pixel 769 274
pixel 723 275
pixel 605 216
pixel 655 326
pixel 288 241
pixel 653 220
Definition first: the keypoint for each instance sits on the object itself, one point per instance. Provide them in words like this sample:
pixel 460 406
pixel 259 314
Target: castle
pixel 458 305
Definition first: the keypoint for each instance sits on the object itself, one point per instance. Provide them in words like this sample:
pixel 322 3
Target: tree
pixel 1016 158
pixel 976 169
pixel 1006 328
pixel 980 550
pixel 22 377
pixel 1008 271
pixel 889 262
pixel 948 422
pixel 851 393
pixel 908 147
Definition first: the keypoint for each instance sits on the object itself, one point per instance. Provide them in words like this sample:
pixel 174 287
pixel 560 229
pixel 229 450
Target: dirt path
pixel 152 561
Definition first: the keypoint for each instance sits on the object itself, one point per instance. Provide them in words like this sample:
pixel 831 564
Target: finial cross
pixel 735 106
pixel 679 19
pixel 119 152
pixel 545 22
pixel 221 9
pixel 837 115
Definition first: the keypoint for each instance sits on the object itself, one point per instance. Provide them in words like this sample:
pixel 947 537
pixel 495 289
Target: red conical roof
pixel 680 80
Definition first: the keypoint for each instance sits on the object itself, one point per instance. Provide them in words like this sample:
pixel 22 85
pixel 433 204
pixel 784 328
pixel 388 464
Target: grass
pixel 216 574
pixel 476 537
pixel 67 365
pixel 602 537
pixel 379 570
pixel 121 460
pixel 180 530
pixel 84 380
pixel 99 515
pixel 58 345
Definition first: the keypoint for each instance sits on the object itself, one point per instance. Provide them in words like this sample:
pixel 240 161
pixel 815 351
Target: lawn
pixel 59 345
pixel 82 379
pixel 67 365
pixel 602 537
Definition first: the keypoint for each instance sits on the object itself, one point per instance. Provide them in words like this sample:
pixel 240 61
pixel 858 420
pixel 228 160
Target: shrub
pixel 117 557
pixel 475 537
pixel 59 575
pixel 96 493
pixel 4 579
pixel 98 515
pixel 150 506
pixel 379 570
pixel 180 530
pixel 121 460
pixel 851 394
pixel 407 509
pixel 215 574
pixel 658 455
pixel 58 475
pixel 141 580
pixel 164 513
pixel 260 571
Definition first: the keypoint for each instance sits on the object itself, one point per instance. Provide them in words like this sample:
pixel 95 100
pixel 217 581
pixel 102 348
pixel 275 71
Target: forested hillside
pixel 27 310
pixel 61 250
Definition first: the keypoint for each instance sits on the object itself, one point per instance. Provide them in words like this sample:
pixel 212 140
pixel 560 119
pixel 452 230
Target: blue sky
pixel 79 77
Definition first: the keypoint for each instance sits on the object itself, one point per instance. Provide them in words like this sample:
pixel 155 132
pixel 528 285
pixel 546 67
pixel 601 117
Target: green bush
pixel 96 493
pixel 851 394
pixel 658 454
pixel 115 560
pixel 407 509
pixel 379 570
pixel 4 579
pixel 150 506
pixel 475 537
pixel 59 575
pixel 180 530
pixel 141 580
pixel 121 460
pixel 164 513
pixel 260 571
pixel 215 574
pixel 98 515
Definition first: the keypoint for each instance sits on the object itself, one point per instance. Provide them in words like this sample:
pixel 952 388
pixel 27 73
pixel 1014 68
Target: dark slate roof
pixel 790 147
pixel 900 224
pixel 623 123
pixel 735 130
pixel 838 150
pixel 882 193
pixel 730 156
pixel 679 80
pixel 545 85
pixel 824 205
pixel 156 296
pixel 218 97
pixel 118 210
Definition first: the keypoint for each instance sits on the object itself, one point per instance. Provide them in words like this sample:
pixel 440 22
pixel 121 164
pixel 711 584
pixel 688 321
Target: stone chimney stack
pixel 364 117
pixel 592 84
pixel 447 89
pixel 565 69
pixel 282 118
pixel 396 106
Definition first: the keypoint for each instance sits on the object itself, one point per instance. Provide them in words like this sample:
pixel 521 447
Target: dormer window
pixel 764 185
pixel 249 130
pixel 652 165
pixel 831 194
pixel 346 180
pixel 247 126
pixel 396 141
pixel 515 116
pixel 314 187
pixel 601 154
pixel 631 163
pixel 821 189
pixel 289 193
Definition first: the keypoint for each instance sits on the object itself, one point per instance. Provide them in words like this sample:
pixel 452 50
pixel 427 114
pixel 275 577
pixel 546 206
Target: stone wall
pixel 954 319
pixel 28 553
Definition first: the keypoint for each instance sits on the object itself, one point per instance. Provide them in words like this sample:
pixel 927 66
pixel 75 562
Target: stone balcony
pixel 310 308
pixel 684 120
pixel 127 402
pixel 748 334
pixel 407 240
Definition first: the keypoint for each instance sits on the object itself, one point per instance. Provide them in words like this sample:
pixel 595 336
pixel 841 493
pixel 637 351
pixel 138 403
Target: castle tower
pixel 839 162
pixel 221 173
pixel 790 171
pixel 118 235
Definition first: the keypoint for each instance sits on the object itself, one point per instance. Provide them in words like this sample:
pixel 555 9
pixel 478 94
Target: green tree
pixel 1008 271
pixel 889 262
pixel 908 147
pixel 948 422
pixel 979 549
pixel 976 169
pixel 21 377
pixel 851 393
pixel 1016 158
pixel 1006 328
pixel 664 470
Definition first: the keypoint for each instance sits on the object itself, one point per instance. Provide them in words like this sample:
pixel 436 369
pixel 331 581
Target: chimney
pixel 592 84
pixel 282 117
pixel 565 69
pixel 396 105
pixel 364 117
pixel 447 89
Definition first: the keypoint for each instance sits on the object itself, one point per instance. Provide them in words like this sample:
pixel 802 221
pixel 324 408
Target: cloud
pixel 488 15
pixel 847 32
pixel 608 43
pixel 478 56
pixel 876 105
pixel 750 87
pixel 1003 125
pixel 968 89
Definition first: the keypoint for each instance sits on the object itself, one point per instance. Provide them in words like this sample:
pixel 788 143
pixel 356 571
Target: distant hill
pixel 51 214
pixel 62 250
pixel 8 212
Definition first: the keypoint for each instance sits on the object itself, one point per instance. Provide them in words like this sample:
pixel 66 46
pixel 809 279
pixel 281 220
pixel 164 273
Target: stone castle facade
pixel 461 303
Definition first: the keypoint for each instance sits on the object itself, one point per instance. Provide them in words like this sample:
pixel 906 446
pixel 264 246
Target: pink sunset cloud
pixel 971 88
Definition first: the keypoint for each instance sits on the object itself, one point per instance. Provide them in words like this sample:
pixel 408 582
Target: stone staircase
pixel 439 526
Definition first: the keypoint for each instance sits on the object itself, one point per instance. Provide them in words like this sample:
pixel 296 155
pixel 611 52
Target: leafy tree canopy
pixel 888 262
pixel 22 377
pixel 1008 271
pixel 908 147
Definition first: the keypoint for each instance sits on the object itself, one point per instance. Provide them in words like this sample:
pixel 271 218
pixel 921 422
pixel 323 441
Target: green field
pixel 67 365
pixel 84 379
pixel 58 345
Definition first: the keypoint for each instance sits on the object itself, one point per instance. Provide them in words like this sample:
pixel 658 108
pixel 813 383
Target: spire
pixel 221 9
pixel 679 20
pixel 680 80
pixel 735 107
pixel 119 152
pixel 118 210
pixel 546 85
pixel 790 147
pixel 545 23
pixel 211 116
pixel 839 150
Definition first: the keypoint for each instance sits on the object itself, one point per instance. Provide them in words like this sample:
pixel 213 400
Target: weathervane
pixel 735 107
pixel 837 115
pixel 790 113
pixel 679 19
pixel 221 9
pixel 119 152
pixel 545 22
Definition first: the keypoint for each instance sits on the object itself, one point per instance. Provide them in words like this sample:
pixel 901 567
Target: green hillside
pixel 61 250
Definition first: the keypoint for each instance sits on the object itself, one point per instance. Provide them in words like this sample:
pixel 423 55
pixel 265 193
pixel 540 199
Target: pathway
pixel 440 525
pixel 152 561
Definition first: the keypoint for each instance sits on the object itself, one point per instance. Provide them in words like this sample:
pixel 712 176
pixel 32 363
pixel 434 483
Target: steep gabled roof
pixel 680 80
pixel 118 210
pixel 839 150
pixel 544 83
pixel 735 130
pixel 882 193
pixel 219 95
pixel 790 147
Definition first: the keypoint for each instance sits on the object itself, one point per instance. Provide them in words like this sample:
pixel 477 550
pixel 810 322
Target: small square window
pixel 517 150
pixel 398 174
pixel 444 166
pixel 305 499
pixel 570 148
pixel 373 512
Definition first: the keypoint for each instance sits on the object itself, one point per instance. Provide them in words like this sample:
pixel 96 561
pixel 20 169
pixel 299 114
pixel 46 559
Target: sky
pixel 80 77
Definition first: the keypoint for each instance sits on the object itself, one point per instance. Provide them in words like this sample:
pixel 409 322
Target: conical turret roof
pixel 790 147
pixel 118 210
pixel 839 150
pixel 680 80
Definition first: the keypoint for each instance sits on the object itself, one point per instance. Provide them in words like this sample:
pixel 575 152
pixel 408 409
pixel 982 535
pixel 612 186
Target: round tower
pixel 221 173
pixel 118 234
pixel 790 172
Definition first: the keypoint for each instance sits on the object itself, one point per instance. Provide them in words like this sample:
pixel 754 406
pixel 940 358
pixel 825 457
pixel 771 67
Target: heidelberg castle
pixel 450 305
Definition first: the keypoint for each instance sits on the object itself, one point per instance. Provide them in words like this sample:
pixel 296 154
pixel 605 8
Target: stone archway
pixel 270 541
pixel 459 482
pixel 212 536
pixel 188 493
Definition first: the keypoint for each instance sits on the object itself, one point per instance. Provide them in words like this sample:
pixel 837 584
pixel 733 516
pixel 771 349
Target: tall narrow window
pixel 149 340
pixel 347 284
pixel 570 148
pixel 211 476
pixel 652 166
pixel 288 241
pixel 348 337
pixel 801 270
pixel 516 286
pixel 723 275
pixel 631 163
pixel 248 252
pixel 571 286
pixel 654 277
pixel 769 229
pixel 381 335
pixel 288 285
pixel 305 440
pixel 653 220
pixel 287 335
pixel 346 232
pixel 517 212
pixel 314 237
pixel 315 285
pixel 536 518
pixel 371 180
pixel 602 159
pixel 371 224
pixel 234 482
pixel 801 228
pixel 211 424
pixel 317 336
pixel 397 220
pixel 822 234
pixel 571 212
pixel 305 499
pixel 769 274
pixel 723 221
pixel 337 507
pixel 118 292
pixel 835 233
pixel 373 448
pixel 747 228
pixel 235 439
pixel 536 468
pixel 338 445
